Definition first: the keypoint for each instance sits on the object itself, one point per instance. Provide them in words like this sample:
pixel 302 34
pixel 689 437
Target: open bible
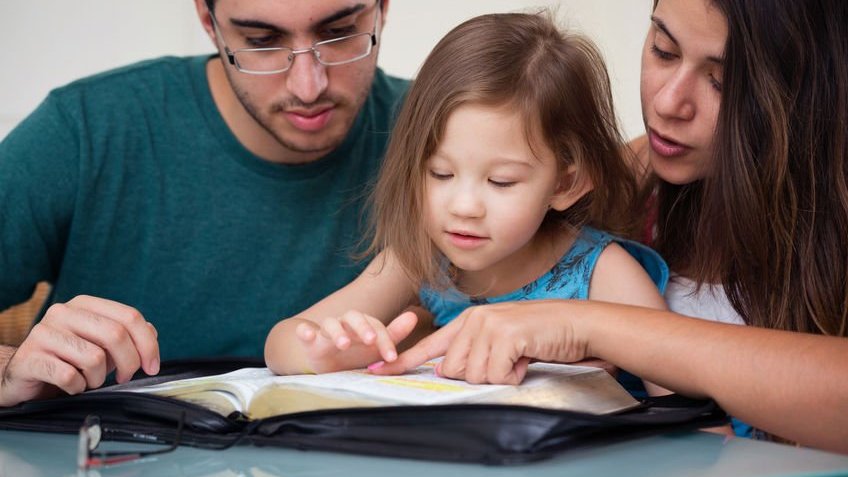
pixel 258 393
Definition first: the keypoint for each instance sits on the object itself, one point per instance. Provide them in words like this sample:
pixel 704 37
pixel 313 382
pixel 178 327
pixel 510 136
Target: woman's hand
pixel 495 343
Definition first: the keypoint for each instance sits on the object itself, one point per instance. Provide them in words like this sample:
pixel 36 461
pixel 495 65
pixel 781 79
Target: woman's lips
pixel 666 147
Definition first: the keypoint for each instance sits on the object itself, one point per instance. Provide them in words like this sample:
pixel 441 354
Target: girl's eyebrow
pixel 510 161
pixel 333 17
pixel 496 160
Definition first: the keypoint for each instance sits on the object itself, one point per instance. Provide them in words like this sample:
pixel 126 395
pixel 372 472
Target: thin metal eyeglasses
pixel 333 52
pixel 90 435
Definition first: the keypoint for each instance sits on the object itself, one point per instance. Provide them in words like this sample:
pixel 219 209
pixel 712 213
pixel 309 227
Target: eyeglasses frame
pixel 90 437
pixel 231 54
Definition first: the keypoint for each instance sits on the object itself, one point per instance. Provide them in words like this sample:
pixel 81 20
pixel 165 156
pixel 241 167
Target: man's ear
pixel 383 13
pixel 572 186
pixel 205 17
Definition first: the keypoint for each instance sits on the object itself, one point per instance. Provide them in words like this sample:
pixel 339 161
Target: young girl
pixel 503 168
pixel 746 106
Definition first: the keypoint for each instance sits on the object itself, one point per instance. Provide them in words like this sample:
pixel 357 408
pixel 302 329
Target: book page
pixel 571 388
pixel 259 393
pixel 223 393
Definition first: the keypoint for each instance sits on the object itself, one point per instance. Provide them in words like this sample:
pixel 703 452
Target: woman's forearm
pixel 793 385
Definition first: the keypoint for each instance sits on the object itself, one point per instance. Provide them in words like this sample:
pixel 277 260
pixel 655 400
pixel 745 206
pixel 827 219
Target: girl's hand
pixel 495 343
pixel 338 343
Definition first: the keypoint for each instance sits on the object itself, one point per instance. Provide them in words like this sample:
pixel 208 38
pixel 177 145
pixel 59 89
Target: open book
pixel 258 393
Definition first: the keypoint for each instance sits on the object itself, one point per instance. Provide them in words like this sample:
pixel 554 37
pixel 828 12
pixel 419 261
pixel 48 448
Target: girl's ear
pixel 572 186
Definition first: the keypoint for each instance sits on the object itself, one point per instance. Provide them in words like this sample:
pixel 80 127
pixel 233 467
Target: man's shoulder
pixel 390 83
pixel 150 73
pixel 388 88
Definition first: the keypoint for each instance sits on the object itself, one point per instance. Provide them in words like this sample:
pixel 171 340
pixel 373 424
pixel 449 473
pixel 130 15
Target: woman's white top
pixel 709 303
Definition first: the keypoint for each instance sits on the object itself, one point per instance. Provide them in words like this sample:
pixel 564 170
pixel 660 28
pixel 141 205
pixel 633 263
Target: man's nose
pixel 307 78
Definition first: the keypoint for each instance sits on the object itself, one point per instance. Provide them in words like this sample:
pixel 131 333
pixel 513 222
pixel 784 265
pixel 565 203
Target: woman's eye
pixel 661 54
pixel 716 84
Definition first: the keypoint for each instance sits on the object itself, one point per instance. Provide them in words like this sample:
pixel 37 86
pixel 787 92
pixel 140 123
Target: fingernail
pixel 377 365
pixel 154 366
pixel 391 356
pixel 341 342
pixel 438 370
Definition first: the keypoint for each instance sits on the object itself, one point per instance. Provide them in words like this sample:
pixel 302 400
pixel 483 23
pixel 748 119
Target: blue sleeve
pixel 38 176
pixel 650 260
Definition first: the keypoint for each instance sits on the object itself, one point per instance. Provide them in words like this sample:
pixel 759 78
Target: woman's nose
pixel 675 98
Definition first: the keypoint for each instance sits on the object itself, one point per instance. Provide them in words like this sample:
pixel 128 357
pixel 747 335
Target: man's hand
pixel 75 346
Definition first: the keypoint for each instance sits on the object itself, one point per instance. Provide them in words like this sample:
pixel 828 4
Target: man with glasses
pixel 180 206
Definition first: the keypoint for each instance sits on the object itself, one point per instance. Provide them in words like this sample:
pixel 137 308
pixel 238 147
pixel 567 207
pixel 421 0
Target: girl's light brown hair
pixel 557 81
pixel 771 222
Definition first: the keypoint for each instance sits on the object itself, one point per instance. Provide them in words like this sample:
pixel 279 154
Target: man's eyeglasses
pixel 90 435
pixel 332 52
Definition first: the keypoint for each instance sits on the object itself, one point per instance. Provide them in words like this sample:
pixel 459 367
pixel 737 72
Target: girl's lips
pixel 310 122
pixel 465 241
pixel 666 147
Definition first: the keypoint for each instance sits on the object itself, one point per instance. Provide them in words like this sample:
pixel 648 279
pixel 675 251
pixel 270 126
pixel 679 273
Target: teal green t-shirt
pixel 128 185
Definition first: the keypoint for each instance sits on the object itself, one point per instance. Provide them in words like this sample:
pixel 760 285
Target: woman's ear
pixel 571 187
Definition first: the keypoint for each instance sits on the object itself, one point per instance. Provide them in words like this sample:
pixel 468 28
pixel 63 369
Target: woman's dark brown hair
pixel 556 81
pixel 771 221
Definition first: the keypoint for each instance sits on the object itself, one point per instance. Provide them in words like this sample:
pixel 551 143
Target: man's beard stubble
pixel 280 108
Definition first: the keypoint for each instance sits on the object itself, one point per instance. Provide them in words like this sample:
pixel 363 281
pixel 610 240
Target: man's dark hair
pixel 210 4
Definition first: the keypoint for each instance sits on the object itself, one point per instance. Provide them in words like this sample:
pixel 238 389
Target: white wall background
pixel 47 43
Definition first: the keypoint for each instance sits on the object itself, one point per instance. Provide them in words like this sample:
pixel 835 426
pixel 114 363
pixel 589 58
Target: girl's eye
pixel 661 54
pixel 440 176
pixel 502 184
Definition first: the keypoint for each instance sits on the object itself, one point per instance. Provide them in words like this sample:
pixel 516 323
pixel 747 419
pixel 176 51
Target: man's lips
pixel 665 146
pixel 310 120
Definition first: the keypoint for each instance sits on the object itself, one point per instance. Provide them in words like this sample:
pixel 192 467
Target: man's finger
pixel 39 362
pixel 110 335
pixel 141 332
pixel 58 373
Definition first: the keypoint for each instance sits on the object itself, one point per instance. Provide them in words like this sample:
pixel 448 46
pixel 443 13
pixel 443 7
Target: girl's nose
pixel 467 202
